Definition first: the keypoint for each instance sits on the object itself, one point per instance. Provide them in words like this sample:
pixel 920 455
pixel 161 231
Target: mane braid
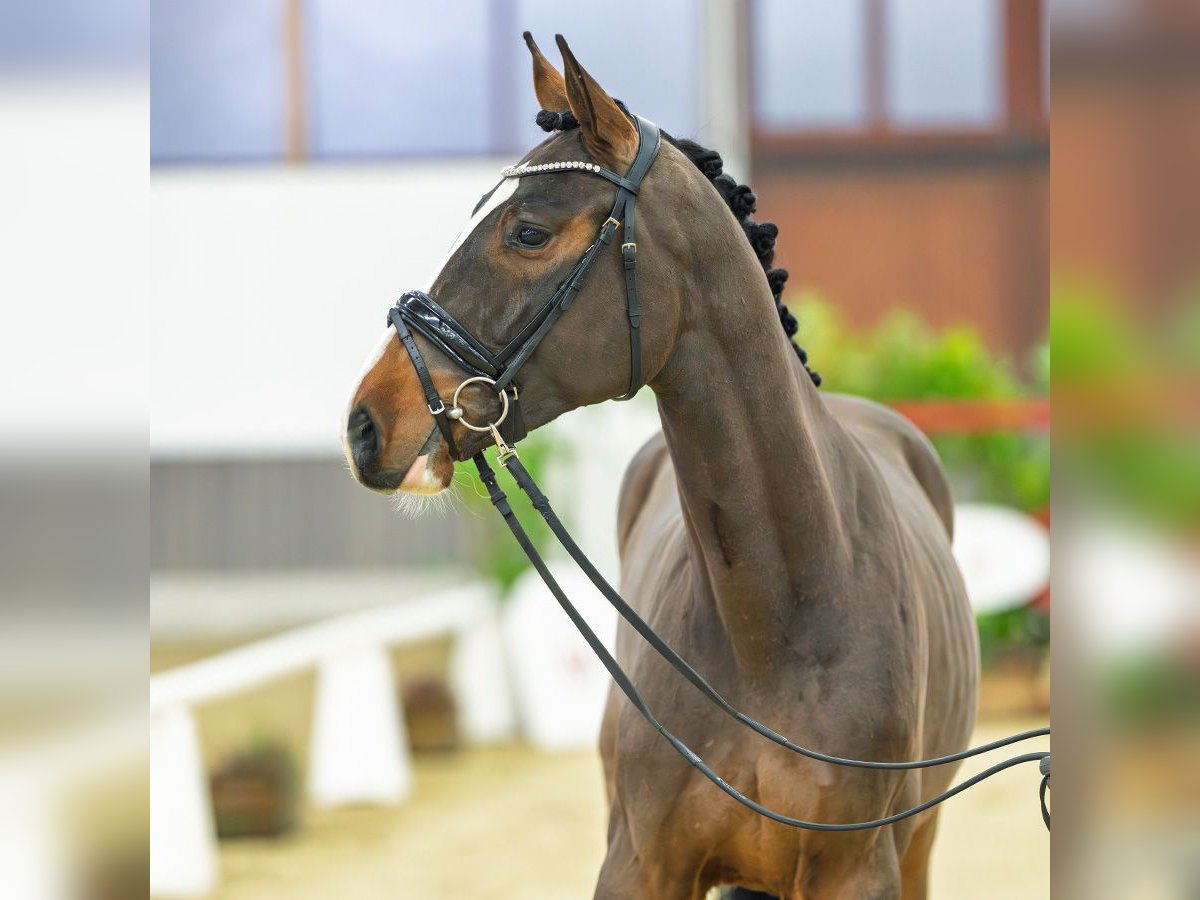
pixel 741 202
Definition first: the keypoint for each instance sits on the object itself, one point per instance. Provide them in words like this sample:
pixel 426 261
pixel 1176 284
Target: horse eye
pixel 530 236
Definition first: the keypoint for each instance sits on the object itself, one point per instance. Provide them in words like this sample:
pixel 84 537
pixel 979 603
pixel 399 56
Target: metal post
pixel 295 113
pixel 725 119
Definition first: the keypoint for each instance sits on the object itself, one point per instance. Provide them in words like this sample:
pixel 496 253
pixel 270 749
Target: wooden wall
pixel 1126 187
pixel 954 234
pixel 287 513
pixel 950 223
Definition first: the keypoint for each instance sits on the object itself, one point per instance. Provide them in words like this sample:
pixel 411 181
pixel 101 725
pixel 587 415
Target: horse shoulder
pixel 889 433
pixel 637 483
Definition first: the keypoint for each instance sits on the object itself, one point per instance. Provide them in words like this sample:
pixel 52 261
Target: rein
pixel 419 312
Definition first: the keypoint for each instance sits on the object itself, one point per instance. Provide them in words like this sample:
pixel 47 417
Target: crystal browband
pixel 565 165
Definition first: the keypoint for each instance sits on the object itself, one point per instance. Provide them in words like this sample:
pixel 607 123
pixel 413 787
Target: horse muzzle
pixel 368 456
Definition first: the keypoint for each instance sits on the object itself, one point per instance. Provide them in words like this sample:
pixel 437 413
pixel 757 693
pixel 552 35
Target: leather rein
pixel 418 312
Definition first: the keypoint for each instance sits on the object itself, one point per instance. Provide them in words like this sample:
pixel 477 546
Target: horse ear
pixel 607 133
pixel 548 84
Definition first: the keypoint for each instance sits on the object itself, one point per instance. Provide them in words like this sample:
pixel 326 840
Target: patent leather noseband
pixel 418 312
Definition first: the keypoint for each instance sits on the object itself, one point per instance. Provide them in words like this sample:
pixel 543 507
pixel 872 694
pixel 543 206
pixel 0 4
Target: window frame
pixel 1021 128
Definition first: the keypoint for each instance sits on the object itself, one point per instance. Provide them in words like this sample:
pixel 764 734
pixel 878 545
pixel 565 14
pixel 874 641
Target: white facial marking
pixel 420 478
pixel 503 191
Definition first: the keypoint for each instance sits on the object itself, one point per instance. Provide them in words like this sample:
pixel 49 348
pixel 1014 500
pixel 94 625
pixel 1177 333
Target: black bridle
pixel 419 312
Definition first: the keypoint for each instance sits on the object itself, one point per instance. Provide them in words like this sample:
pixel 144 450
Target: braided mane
pixel 741 202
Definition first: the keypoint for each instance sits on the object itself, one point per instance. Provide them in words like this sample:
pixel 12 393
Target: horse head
pixel 523 239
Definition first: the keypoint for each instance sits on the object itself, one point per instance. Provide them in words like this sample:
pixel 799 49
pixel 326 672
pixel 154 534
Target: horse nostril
pixel 363 437
pixel 360 423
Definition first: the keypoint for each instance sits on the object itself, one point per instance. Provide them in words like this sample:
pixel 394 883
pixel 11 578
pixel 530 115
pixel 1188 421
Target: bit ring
pixel 456 412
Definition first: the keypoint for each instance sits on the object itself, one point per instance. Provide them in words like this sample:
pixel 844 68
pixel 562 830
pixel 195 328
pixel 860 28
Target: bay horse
pixel 794 545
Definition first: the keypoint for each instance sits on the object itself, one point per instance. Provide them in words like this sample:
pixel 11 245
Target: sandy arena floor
pixel 513 823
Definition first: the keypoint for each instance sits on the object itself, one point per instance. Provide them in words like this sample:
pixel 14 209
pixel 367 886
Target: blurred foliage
pixel 1183 335
pixel 1151 690
pixel 1123 383
pixel 1094 343
pixel 903 359
pixel 1008 635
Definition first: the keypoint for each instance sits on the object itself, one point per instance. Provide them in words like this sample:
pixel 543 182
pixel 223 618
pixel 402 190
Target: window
pixel 810 63
pixel 396 78
pixel 71 33
pixel 943 63
pixel 216 80
pixel 881 65
pixel 391 79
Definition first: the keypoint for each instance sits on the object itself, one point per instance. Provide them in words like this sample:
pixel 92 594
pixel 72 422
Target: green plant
pixel 1121 379
pixel 1149 690
pixel 903 359
pixel 1012 633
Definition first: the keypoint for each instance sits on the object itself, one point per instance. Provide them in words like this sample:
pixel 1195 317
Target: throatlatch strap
pixel 649 139
pixel 623 214
pixel 515 355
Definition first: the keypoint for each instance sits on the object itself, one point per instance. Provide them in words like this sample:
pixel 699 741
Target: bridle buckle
pixel 441 408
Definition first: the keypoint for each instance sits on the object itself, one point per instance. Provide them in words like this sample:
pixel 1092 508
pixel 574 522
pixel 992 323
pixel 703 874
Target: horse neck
pixel 761 465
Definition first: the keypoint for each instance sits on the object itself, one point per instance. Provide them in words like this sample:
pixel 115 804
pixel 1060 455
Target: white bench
pixel 359 749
